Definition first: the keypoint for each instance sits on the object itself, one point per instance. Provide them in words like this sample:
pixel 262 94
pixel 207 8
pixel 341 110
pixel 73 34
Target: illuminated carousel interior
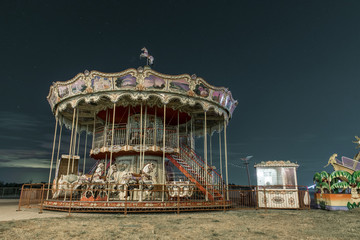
pixel 143 126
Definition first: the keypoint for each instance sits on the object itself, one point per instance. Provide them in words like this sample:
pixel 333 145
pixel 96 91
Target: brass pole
pixel 52 154
pixel 86 136
pixel 206 163
pixel 140 136
pixel 112 134
pixel 58 152
pixel 226 161
pixel 74 143
pixel 71 139
pixel 144 142
pixel 164 180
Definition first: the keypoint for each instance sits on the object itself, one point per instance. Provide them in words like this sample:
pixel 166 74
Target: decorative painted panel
pixel 127 81
pixel 180 85
pixel 201 90
pixel 101 83
pixel 154 82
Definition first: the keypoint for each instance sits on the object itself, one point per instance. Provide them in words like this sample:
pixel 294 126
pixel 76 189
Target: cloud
pixel 18 121
pixel 24 158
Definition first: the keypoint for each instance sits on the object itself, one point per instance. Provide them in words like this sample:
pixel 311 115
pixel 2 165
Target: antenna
pixel 246 162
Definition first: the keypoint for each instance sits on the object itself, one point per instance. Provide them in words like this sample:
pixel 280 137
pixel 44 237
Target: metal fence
pixel 10 192
pixel 161 198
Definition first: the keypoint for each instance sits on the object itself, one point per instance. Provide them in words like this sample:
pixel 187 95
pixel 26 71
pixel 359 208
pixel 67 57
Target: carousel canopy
pixel 93 92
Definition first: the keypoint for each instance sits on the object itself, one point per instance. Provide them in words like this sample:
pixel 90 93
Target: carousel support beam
pixel 205 156
pixel 226 161
pixel 112 135
pixel 210 140
pixel 93 140
pixel 78 146
pixel 52 154
pixel 71 140
pixel 86 136
pixel 144 142
pixel 178 132
pixel 105 142
pixel 58 148
pixel 128 127
pixel 75 134
pixel 105 129
pixel 155 128
pixel 140 134
pixel 164 180
pixel 221 172
pixel 191 134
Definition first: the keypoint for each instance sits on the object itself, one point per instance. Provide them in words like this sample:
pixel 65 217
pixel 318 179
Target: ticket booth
pixel 277 184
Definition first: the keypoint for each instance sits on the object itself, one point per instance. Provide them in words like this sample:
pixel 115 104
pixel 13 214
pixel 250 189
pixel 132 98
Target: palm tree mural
pixel 322 182
pixel 339 182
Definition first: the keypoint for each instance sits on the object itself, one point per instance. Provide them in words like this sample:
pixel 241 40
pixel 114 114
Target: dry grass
pixel 243 224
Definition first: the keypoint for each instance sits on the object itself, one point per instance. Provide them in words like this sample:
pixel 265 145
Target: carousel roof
pixel 95 91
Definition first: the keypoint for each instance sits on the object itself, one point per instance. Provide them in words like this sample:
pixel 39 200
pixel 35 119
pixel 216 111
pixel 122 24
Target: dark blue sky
pixel 292 65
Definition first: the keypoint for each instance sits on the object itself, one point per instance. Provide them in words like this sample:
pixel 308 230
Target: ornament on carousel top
pixel 145 54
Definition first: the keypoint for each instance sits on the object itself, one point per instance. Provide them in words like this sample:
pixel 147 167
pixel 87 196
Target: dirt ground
pixel 242 224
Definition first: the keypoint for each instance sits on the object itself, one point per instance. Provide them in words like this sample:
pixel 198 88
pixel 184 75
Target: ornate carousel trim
pixel 140 84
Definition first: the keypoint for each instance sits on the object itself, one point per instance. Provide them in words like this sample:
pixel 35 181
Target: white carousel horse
pixel 145 54
pixel 135 180
pixel 65 185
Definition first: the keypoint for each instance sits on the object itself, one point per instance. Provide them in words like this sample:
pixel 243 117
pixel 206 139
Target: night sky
pixel 293 66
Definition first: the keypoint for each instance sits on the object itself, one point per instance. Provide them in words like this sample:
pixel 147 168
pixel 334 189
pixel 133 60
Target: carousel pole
pixel 112 134
pixel 178 132
pixel 191 134
pixel 71 140
pixel 93 140
pixel 211 158
pixel 128 128
pixel 164 128
pixel 155 129
pixel 58 152
pixel 140 135
pixel 205 155
pixel 74 143
pixel 221 172
pixel 144 142
pixel 86 136
pixel 52 154
pixel 186 130
pixel 105 142
pixel 226 162
pixel 78 146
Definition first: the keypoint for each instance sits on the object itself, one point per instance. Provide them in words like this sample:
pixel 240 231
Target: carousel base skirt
pixel 134 206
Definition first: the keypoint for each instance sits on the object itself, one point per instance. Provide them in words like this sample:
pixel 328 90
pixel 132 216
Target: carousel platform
pixel 134 206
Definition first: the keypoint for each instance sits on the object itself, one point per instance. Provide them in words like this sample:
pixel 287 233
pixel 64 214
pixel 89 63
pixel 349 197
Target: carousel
pixel 138 128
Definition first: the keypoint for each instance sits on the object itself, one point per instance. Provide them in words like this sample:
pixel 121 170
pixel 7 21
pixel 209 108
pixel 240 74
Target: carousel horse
pixel 132 181
pixel 96 182
pixel 145 54
pixel 65 185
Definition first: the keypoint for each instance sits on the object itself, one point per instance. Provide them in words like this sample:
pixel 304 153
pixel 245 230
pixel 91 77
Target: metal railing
pixel 171 197
pixel 134 136
pixel 10 192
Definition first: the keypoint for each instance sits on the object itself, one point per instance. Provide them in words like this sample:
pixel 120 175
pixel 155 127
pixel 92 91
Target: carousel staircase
pixel 194 168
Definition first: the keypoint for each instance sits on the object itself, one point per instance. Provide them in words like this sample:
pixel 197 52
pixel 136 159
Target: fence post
pixel 178 203
pixel 22 189
pixel 265 203
pixel 29 196
pixel 42 198
pixel 224 199
pixel 257 197
pixel 71 193
pixel 126 193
